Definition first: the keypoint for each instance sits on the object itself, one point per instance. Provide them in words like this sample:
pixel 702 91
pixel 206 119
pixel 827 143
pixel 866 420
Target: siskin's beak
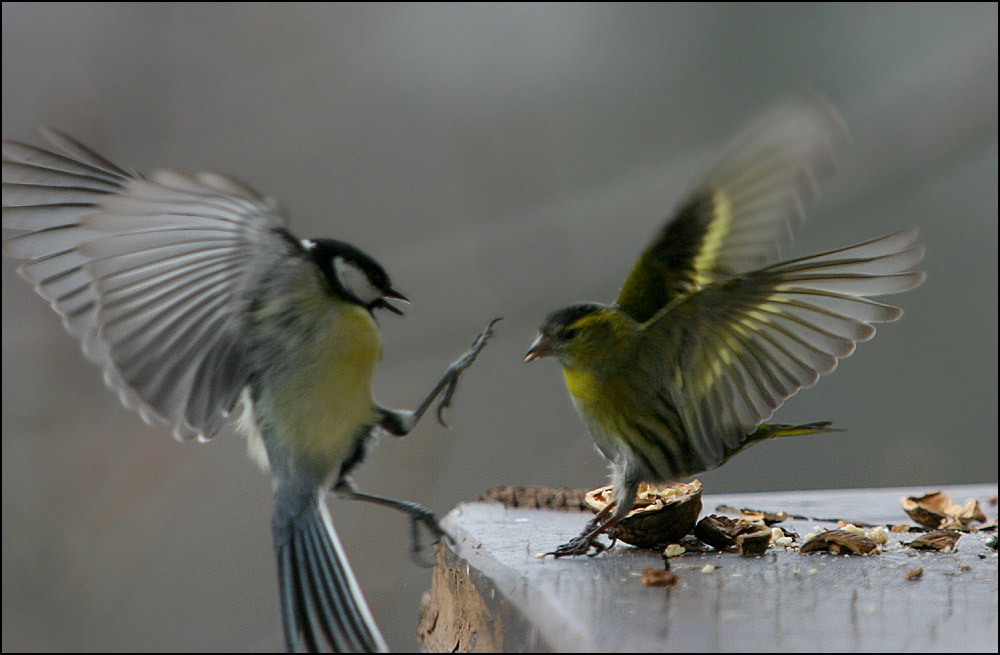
pixel 539 348
pixel 395 295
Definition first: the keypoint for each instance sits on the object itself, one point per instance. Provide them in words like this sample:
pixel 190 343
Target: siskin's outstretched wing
pixel 739 214
pixel 145 272
pixel 745 344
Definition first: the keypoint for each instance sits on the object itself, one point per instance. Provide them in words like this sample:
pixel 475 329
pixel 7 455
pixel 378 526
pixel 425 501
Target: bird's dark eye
pixel 568 334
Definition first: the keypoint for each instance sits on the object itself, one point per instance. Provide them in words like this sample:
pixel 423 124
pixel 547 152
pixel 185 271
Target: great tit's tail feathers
pixel 322 607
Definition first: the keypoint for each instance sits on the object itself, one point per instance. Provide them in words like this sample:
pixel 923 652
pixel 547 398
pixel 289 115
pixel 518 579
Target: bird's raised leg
pixel 400 422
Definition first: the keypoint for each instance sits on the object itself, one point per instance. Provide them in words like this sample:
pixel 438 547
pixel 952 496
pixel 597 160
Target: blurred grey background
pixel 499 160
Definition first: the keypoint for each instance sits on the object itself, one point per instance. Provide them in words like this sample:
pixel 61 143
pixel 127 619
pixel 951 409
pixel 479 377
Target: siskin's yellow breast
pixel 601 401
pixel 582 385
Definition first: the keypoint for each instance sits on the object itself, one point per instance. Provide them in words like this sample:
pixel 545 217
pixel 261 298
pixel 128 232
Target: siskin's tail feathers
pixel 322 607
pixel 769 430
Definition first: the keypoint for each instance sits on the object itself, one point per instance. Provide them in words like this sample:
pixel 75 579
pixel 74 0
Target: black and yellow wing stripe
pixel 743 345
pixel 740 212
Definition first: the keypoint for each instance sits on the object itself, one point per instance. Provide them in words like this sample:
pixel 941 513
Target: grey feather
pixel 146 273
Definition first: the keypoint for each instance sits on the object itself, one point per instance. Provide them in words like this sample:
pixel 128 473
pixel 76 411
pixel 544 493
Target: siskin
pixel 708 335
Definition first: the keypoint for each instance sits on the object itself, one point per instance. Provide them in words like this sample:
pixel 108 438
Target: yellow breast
pixel 600 400
pixel 582 385
pixel 328 395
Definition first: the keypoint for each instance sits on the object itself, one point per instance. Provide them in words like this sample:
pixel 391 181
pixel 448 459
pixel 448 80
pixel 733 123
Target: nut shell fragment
pixel 658 578
pixel 721 532
pixel 753 543
pixel 935 510
pixel 913 574
pixel 937 540
pixel 693 545
pixel 839 541
pixel 663 514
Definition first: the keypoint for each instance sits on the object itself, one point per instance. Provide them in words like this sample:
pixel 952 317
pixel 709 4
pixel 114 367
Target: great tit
pixel 195 299
pixel 708 336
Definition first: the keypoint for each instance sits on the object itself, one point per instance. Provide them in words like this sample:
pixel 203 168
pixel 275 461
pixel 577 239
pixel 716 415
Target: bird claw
pixel 426 517
pixel 587 540
pixel 446 398
pixel 462 363
pixel 580 545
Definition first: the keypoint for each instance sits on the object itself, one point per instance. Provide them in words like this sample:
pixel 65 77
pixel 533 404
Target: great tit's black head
pixel 353 275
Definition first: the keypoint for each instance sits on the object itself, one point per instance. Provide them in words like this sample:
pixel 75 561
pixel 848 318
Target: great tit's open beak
pixel 539 348
pixel 395 295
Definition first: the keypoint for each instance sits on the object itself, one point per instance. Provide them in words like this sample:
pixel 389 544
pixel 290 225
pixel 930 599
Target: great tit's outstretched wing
pixel 739 213
pixel 729 354
pixel 149 273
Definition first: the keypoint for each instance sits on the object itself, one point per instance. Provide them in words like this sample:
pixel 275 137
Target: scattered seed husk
pixel 840 541
pixel 773 517
pixel 658 577
pixel 536 497
pixel 913 574
pixel 937 540
pixel 785 532
pixel 674 550
pixel 879 535
pixel 663 514
pixel 760 516
pixel 782 537
pixel 850 527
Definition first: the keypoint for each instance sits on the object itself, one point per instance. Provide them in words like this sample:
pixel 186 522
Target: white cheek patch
pixel 355 281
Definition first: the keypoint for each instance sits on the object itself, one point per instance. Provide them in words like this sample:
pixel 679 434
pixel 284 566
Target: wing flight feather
pixel 146 272
pixel 749 342
pixel 739 215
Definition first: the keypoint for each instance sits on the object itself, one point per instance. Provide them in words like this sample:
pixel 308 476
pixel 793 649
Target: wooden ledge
pixel 491 592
